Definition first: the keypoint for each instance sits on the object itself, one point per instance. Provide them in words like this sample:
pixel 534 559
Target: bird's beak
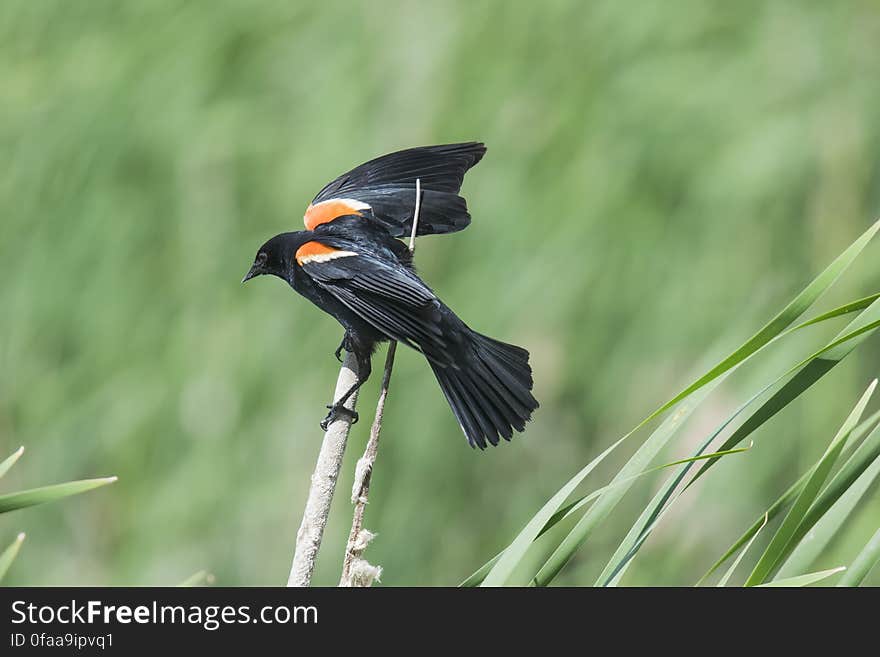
pixel 255 270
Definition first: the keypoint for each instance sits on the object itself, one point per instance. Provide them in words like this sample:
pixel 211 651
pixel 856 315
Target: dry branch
pixel 311 530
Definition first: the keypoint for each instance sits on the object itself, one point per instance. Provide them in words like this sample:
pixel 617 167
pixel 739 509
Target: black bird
pixel 350 264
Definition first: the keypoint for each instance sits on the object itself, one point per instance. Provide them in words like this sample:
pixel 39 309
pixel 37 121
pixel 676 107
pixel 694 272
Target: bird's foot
pixel 337 411
pixel 342 345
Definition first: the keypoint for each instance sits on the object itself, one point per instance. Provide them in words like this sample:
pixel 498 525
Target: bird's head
pixel 275 257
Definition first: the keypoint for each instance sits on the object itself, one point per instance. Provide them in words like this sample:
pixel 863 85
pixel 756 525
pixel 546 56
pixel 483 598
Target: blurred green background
pixel 661 178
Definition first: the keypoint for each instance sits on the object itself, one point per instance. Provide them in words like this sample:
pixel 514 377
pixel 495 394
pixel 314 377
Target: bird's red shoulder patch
pixel 318 252
pixel 321 213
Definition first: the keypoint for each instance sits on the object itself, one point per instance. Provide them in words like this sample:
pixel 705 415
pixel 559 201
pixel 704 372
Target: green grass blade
pixel 517 549
pixel 775 509
pixel 818 534
pixel 25 498
pixel 599 511
pixel 795 308
pixel 788 387
pixel 506 563
pixel 569 512
pixel 863 456
pixel 201 578
pixel 812 369
pixel 543 547
pixel 806 373
pixel 480 574
pixel 562 520
pixel 603 506
pixel 849 472
pixel 541 556
pixel 10 460
pixel 804 580
pixel 726 578
pixel 565 513
pixel 649 516
pixel 845 309
pixel 618 572
pixel 782 541
pixel 703 457
pixel 9 555
pixel 864 562
pixel 637 535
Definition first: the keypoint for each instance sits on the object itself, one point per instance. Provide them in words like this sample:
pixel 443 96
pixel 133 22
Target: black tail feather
pixel 451 390
pixel 489 390
pixel 481 408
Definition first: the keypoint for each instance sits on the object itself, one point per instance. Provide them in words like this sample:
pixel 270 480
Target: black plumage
pixel 352 267
pixel 388 185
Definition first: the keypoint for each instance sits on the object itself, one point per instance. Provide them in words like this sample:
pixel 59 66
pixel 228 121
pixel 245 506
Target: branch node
pixel 363 540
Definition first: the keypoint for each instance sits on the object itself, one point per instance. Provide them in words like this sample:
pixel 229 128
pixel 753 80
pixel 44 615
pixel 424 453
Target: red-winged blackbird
pixel 350 264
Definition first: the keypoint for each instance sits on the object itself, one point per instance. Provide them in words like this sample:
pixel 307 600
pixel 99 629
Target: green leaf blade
pixel 864 562
pixel 803 580
pixel 44 494
pixel 10 460
pixel 783 541
pixel 726 578
pixel 509 559
pixel 201 578
pixel 9 555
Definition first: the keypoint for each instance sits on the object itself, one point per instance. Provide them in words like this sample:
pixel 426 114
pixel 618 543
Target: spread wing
pixel 385 294
pixel 384 188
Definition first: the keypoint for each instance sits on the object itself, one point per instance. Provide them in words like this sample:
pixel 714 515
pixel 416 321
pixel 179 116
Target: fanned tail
pixel 489 390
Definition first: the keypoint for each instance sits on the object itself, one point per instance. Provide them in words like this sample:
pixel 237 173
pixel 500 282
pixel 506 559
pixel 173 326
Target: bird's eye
pixel 261 258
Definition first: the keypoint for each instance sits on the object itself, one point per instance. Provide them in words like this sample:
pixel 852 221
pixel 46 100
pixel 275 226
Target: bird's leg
pixel 338 409
pixel 342 345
